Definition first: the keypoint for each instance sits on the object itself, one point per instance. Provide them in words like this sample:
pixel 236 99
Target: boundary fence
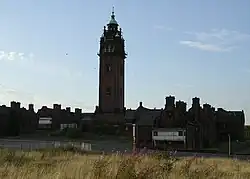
pixel 46 145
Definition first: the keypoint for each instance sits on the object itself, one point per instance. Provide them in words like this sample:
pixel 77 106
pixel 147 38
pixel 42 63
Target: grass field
pixel 62 164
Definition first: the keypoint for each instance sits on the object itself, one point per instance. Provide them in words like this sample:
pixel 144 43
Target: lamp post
pixel 229 145
pixel 134 139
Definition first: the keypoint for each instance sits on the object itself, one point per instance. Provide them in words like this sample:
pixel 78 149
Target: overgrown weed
pixel 69 163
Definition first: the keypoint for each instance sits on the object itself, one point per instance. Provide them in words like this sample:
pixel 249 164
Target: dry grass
pixel 72 165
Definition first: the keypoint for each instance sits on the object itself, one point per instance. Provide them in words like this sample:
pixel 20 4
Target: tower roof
pixel 112 20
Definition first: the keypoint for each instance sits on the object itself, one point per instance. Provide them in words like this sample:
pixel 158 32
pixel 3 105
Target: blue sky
pixel 182 48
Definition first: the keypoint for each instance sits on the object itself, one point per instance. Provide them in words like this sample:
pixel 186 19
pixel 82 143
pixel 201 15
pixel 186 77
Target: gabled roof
pixel 146 118
pixel 88 114
pixel 142 115
pixel 142 108
pixel 130 115
pixel 237 113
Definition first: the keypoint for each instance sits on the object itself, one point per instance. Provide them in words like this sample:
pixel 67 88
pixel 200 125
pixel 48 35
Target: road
pixel 106 146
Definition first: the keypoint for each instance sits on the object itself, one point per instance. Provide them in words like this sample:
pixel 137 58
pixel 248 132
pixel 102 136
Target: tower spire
pixel 112 20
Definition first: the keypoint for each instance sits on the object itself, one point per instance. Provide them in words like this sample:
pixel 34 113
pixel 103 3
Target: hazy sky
pixel 183 48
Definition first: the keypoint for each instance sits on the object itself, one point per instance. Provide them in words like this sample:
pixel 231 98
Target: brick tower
pixel 111 69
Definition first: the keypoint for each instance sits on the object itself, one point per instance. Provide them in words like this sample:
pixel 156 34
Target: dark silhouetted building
pixel 59 117
pixel 15 120
pixel 196 128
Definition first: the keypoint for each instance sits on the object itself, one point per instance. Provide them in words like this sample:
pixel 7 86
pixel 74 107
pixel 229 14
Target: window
pixel 108 68
pixel 155 133
pixel 180 133
pixel 109 48
pixel 108 91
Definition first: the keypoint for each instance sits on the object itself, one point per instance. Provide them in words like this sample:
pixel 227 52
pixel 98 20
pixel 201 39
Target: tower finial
pixel 113 11
pixel 112 20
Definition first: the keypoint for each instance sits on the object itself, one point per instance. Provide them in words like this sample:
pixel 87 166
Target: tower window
pixel 108 91
pixel 180 133
pixel 108 68
pixel 109 48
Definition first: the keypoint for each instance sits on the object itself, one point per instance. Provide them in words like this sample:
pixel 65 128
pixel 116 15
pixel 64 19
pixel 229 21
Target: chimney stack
pixel 170 102
pixel 78 111
pixel 13 104
pixel 31 107
pixel 68 109
pixel 57 106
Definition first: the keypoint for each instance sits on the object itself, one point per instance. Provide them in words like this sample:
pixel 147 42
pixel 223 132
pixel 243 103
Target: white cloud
pixel 36 68
pixel 11 56
pixel 28 62
pixel 217 40
pixel 47 69
pixel 204 46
